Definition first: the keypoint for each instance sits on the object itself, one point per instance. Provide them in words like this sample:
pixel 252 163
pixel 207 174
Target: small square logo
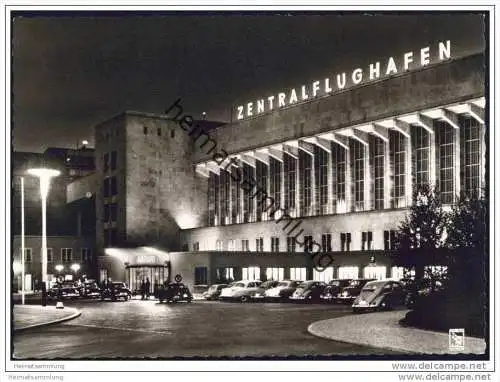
pixel 456 339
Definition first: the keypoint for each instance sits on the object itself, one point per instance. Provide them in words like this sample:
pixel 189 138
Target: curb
pixel 59 320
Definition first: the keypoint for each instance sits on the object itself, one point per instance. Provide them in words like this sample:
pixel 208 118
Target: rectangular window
pixel 113 160
pixel 290 164
pixel 248 191
pixel 291 244
pixel 196 246
pixel 339 156
pixel 259 244
pixel 250 273
pixel 421 152
pixel 145 130
pixel 308 244
pixel 105 187
pixel 275 244
pixel 218 245
pixel 345 241
pixel 389 240
pixel 470 156
pixel 397 145
pixel 276 274
pixel 245 245
pixel 66 255
pixel 326 242
pixel 261 173
pixel 112 236
pixel 321 158
pixel 275 169
pixel 86 255
pixel 366 240
pixel 105 163
pixel 230 245
pixel 212 199
pixel 298 274
pixel 50 255
pixel 158 131
pixel 235 196
pixel 113 212
pixel 358 163
pixel 445 146
pixel 200 275
pixel 105 236
pixel 305 173
pixel 28 255
pixel 113 186
pixel 377 146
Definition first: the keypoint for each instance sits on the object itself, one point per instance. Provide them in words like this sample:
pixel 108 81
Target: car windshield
pixel 238 285
pixel 118 285
pixel 283 284
pixel 305 285
pixel 213 288
pixel 373 286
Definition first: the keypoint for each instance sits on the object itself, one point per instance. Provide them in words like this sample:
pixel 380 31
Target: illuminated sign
pixel 146 259
pixel 342 80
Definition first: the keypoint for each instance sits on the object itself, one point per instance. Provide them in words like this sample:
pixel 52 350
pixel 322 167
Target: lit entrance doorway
pixel 157 275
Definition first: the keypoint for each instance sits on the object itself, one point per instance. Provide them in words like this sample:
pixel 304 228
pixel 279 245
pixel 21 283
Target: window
pixel 259 244
pixel 105 188
pixel 339 155
pixel 321 179
pixel 245 245
pixel 374 272
pixel 225 275
pixel 105 236
pixel 308 244
pixel 230 245
pixel 200 276
pixel 112 236
pixel 196 246
pixel 158 131
pixel 290 164
pixel 212 199
pixel 421 145
pixel 325 275
pixel 276 274
pixel 377 147
pixel 248 205
pixel 66 254
pixel 28 255
pixel 113 161
pixel 326 242
pixel 299 274
pixel 218 245
pixel 348 273
pixel 291 243
pixel 470 152
pixel 114 190
pixel 86 255
pixel 275 181
pixel 113 211
pixel 305 167
pixel 50 255
pixel 172 133
pixel 250 273
pixel 145 130
pixel 397 273
pixel 225 179
pixel 389 240
pixel 397 144
pixel 184 248
pixel 235 196
pixel 105 162
pixel 345 241
pixel 366 240
pixel 445 146
pixel 275 244
pixel 261 174
pixel 358 161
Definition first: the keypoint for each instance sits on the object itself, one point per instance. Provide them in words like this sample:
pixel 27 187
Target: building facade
pixel 341 168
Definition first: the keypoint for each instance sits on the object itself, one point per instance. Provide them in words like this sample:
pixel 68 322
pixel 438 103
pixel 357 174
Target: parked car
pixel 90 289
pixel 333 288
pixel 379 295
pixel 282 291
pixel 214 291
pixel 65 290
pixel 310 291
pixel 242 290
pixel 350 292
pixel 174 292
pixel 265 286
pixel 116 290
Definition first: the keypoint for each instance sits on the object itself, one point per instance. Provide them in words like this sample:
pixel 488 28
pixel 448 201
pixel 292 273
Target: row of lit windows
pixel 311 173
pixel 307 245
pixel 66 255
pixel 149 131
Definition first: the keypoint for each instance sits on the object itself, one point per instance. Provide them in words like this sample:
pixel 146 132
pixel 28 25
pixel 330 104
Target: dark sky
pixel 70 73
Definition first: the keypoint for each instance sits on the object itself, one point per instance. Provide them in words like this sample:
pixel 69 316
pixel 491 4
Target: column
pixel 348 180
pixel 409 175
pixel 456 147
pixel 388 174
pixel 368 179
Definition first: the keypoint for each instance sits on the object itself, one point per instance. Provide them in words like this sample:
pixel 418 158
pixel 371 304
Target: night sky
pixel 72 72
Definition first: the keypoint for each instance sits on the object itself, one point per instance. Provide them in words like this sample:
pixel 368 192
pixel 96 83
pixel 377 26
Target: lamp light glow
pixel 75 267
pixel 59 268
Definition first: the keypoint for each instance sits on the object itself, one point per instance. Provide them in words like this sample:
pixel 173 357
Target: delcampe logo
pixel 456 339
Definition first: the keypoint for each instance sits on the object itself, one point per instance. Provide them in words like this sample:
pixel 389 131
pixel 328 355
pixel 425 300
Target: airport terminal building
pixel 340 157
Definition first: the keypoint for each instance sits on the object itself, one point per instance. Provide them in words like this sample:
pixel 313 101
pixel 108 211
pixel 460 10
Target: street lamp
pixel 75 268
pixel 45 175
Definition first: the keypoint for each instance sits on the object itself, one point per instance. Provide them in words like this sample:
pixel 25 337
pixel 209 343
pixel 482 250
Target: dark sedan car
pixel 378 295
pixel 283 290
pixel 174 292
pixel 90 289
pixel 350 292
pixel 309 291
pixel 214 291
pixel 115 291
pixel 64 291
pixel 333 288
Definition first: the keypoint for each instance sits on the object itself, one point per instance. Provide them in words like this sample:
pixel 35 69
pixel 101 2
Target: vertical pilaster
pixel 298 188
pixel 408 175
pixel 482 143
pixel 433 158
pixel 367 203
pixel 265 215
pixel 388 175
pixel 348 179
pixel 282 183
pixel 314 198
pixel 456 149
pixel 332 180
pixel 230 196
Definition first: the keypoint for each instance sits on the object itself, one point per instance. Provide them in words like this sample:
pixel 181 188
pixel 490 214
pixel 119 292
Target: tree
pixel 422 232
